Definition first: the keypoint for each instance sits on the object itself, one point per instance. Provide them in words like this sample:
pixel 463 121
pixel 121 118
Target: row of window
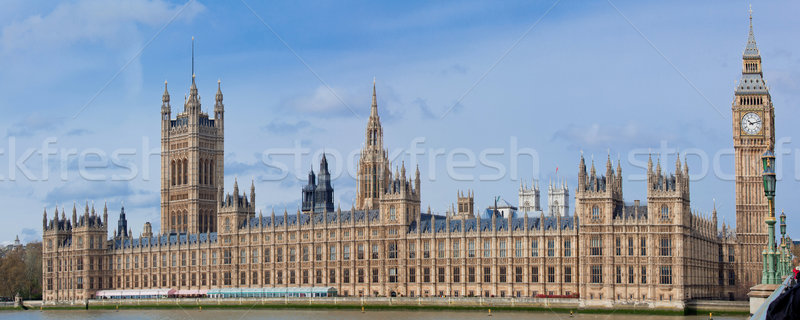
pixel 664 212
pixel 596 246
pixel 318 277
pixel 94 242
pixel 179 170
pixel 319 253
pixel 596 275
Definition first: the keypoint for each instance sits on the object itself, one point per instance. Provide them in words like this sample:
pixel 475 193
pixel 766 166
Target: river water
pixel 323 315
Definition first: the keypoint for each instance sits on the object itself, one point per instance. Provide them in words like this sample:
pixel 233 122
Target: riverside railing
pixel 761 313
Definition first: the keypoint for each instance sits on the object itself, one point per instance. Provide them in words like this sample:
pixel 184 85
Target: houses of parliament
pixel 607 251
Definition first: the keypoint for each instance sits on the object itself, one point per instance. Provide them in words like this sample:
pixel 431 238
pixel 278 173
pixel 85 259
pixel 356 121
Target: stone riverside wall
pixel 476 302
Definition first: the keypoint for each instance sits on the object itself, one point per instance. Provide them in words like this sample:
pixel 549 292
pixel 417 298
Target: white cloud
pixel 628 135
pixel 90 21
pixel 325 101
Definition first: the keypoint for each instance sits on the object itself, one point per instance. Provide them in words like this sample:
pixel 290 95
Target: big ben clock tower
pixel 753 133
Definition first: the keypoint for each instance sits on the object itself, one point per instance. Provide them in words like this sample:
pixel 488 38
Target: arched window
pixel 178 173
pixel 211 173
pixel 172 171
pixel 185 171
pixel 205 172
pixel 392 214
pixel 664 212
pixel 595 213
pixel 202 168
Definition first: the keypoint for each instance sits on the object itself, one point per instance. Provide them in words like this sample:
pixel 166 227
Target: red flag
pixel 556 170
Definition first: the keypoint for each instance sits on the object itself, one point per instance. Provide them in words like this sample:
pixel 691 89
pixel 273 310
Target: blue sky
pixel 83 79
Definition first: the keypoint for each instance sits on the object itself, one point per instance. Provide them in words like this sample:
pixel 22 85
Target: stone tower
pixel 191 164
pixel 402 199
pixel 373 166
pixel 466 205
pixel 308 193
pixel 235 209
pixel 753 133
pixel 529 197
pixel 80 243
pixel 558 198
pixel 318 196
pixel 668 195
pixel 122 223
pixel 597 201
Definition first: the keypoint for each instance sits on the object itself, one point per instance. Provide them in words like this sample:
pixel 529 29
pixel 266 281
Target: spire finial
pixel 751 50
pixel 165 97
pixel 192 59
pixel 374 109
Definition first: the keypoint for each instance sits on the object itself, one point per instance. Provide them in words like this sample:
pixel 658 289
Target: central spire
pixel 192 59
pixel 751 50
pixel 752 81
pixel 374 109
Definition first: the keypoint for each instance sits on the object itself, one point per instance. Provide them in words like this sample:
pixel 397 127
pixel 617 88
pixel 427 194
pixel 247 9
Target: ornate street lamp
pixel 784 252
pixel 768 274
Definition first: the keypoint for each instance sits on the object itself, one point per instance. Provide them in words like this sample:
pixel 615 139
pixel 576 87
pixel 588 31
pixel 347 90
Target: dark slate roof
pixel 517 224
pixel 164 240
pixel 630 211
pixel 330 217
pixel 92 220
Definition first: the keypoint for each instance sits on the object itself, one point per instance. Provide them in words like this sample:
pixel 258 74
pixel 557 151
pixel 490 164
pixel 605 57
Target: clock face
pixel 751 123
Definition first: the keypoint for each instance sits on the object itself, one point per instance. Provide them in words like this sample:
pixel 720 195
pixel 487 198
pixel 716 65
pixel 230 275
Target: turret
pixel 55 217
pixel 323 193
pixel 148 230
pixel 192 105
pixel 685 167
pixel 44 219
pixel 416 181
pixel 714 215
pixel 235 195
pixel 658 166
pixel 122 222
pixel 166 110
pixel 582 174
pixel 219 107
pixel 403 175
pixel 75 217
pixel 252 193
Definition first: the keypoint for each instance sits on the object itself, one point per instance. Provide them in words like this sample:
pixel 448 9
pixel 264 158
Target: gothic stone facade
pixel 658 252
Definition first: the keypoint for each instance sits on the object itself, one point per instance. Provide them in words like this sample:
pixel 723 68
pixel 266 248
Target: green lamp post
pixel 783 265
pixel 784 258
pixel 768 275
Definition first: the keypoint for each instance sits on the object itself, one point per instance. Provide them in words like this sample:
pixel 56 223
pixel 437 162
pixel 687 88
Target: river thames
pixel 324 315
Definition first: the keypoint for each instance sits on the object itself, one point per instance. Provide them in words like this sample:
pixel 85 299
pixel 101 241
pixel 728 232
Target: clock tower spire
pixel 753 133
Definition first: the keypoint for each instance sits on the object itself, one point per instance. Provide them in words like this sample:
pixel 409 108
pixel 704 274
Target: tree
pixel 21 271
